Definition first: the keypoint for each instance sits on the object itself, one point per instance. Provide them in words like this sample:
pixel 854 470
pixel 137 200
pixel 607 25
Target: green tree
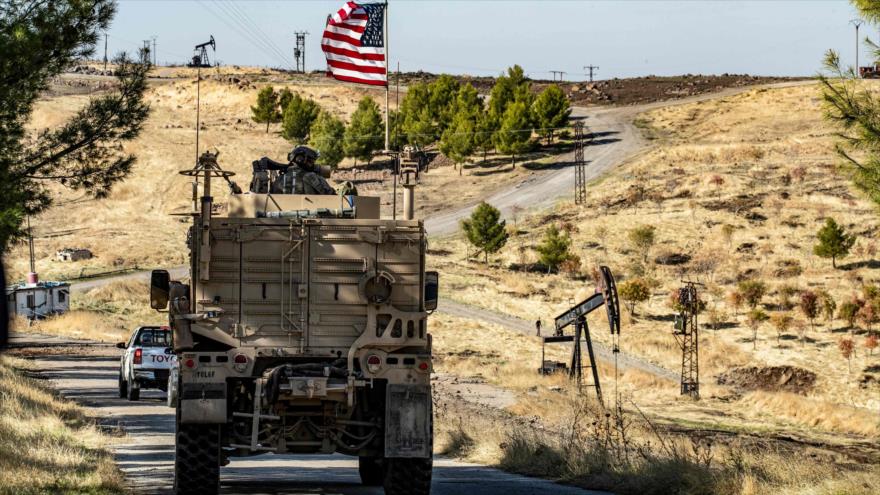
pixel 327 136
pixel 38 41
pixel 485 229
pixel 366 133
pixel 457 141
pixel 551 111
pixel 554 248
pixel 299 114
pixel 442 101
pixel 419 128
pixel 834 242
pixel 506 90
pixel 468 100
pixel 415 115
pixel 266 109
pixel 514 136
pixel 284 97
pixel 642 239
pixel 752 292
pixel 484 133
pixel 634 291
pixel 755 318
pixel 848 312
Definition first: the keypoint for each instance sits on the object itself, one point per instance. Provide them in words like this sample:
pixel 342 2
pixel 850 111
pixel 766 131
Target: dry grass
pixel 770 144
pixel 626 455
pixel 133 227
pixel 47 445
pixel 105 314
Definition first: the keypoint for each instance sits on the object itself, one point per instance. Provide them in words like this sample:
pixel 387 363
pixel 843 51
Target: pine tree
pixel 414 112
pixel 554 249
pixel 834 242
pixel 38 41
pixel 484 133
pixel 266 109
pixel 514 136
pixel 366 133
pixel 327 135
pixel 854 108
pixel 299 114
pixel 284 97
pixel 551 111
pixel 419 128
pixel 442 102
pixel 506 90
pixel 485 229
pixel 457 141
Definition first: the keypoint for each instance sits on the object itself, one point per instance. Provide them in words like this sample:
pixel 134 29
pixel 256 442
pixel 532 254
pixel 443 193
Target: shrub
pixel 642 239
pixel 554 249
pixel 848 312
pixel 752 292
pixel 634 291
pixel 810 306
pixel 755 318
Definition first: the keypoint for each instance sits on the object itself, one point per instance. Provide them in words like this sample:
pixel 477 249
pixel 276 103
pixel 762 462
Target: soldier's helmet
pixel 303 156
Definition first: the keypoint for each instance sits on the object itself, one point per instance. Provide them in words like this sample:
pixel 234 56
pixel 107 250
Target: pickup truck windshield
pixel 154 337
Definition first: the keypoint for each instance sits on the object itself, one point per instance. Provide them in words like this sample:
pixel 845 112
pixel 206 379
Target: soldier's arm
pixel 318 183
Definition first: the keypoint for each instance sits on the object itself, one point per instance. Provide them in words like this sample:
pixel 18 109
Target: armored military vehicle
pixel 302 329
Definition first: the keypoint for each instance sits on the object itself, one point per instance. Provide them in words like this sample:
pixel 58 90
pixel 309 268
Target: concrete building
pixel 73 254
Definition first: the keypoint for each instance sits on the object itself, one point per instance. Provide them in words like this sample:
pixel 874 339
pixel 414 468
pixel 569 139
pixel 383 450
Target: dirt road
pixel 602 351
pixel 88 373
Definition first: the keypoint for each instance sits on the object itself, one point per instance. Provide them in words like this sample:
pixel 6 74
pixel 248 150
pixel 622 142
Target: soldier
pixel 308 177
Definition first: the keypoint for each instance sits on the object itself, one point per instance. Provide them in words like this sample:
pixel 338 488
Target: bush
pixel 752 292
pixel 634 291
pixel 554 249
pixel 642 238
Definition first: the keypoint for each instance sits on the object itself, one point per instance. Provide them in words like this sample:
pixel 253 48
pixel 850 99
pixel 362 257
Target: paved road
pixel 146 454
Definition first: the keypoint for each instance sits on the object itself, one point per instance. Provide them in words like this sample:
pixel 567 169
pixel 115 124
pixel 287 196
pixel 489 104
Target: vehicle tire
pixel 197 459
pixel 123 387
pixel 407 476
pixel 370 469
pixel 132 392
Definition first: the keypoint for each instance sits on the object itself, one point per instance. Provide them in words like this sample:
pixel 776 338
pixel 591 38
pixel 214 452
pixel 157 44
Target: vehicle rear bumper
pixel 151 377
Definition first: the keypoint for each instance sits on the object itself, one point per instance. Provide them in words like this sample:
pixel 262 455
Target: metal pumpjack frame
pixel 606 294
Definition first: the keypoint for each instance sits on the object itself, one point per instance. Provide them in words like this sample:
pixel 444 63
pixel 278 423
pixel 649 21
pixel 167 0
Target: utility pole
pixel 591 68
pixel 145 56
pixel 561 74
pixel 580 174
pixel 299 51
pixel 154 49
pixel 857 23
pixel 105 52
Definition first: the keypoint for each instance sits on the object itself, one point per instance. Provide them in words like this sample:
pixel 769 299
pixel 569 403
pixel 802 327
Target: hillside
pixel 778 183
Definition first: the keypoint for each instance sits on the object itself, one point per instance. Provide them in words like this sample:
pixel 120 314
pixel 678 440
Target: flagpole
pixel 387 55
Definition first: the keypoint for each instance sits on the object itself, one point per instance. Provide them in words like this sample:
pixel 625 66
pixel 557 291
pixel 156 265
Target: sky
pixel 624 38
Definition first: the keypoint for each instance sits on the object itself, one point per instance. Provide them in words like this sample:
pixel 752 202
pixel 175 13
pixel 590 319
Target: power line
pixel 242 14
pixel 591 68
pixel 238 25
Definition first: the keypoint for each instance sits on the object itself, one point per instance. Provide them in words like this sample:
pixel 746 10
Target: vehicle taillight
pixel 138 356
pixel 374 363
pixel 190 363
pixel 423 366
pixel 241 362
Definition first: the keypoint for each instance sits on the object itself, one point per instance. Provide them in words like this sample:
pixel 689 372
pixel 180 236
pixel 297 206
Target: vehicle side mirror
pixel 120 345
pixel 432 290
pixel 160 285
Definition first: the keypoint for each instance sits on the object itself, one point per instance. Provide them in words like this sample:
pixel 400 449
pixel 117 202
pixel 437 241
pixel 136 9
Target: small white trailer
pixel 38 300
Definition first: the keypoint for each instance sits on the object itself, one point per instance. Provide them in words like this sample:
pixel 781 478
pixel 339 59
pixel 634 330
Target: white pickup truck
pixel 146 362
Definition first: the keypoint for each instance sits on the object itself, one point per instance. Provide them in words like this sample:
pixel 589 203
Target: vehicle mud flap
pixel 203 403
pixel 408 421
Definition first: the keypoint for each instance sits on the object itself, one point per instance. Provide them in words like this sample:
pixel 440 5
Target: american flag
pixel 354 44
